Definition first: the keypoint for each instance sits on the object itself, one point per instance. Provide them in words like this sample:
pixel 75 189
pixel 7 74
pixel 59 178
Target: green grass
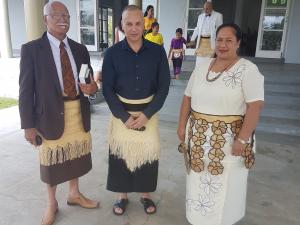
pixel 7 102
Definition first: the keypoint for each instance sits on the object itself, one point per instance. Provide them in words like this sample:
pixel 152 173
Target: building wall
pixel 168 23
pixel 292 48
pixel 172 14
pixel 17 23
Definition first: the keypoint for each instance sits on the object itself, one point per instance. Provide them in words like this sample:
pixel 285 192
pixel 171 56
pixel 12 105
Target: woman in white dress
pixel 219 112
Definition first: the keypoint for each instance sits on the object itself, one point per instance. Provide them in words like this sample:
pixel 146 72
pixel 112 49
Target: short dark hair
pixel 179 30
pixel 235 27
pixel 154 24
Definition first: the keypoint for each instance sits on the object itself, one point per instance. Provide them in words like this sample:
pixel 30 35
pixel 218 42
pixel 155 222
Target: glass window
pixel 195 9
pixel 106 27
pixel 87 36
pixel 87 22
pixel 193 18
pixel 86 13
pixel 274 19
pixel 276 3
pixel 196 3
pixel 272 40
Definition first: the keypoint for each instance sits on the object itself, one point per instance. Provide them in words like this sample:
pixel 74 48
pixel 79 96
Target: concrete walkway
pixel 273 190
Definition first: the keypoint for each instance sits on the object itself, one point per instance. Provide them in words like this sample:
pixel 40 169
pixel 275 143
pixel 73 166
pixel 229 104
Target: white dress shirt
pixel 206 27
pixel 54 43
pixel 215 20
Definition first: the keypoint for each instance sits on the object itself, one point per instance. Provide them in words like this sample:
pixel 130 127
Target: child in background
pixel 176 52
pixel 153 34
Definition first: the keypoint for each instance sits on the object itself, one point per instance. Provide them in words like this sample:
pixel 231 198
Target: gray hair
pixel 131 8
pixel 48 7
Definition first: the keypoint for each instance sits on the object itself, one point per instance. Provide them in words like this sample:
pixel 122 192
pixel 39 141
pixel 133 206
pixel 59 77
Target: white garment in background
pixel 221 199
pixel 121 35
pixel 206 28
pixel 216 19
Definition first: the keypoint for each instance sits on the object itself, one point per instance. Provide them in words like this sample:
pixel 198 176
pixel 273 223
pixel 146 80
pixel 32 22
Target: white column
pixel 5 39
pixel 34 20
pixel 135 2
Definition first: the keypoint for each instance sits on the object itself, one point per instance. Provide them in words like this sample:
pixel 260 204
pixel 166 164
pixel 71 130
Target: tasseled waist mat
pixel 73 144
pixel 204 48
pixel 136 148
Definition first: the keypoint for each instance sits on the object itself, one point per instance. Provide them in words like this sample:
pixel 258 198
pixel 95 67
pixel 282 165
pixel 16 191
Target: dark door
pixel 246 14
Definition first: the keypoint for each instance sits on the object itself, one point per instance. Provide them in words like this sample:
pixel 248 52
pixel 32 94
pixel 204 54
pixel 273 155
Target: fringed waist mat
pixel 213 132
pixel 73 144
pixel 136 148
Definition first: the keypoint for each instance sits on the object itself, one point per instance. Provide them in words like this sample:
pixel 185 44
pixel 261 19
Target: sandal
pixel 121 203
pixel 147 203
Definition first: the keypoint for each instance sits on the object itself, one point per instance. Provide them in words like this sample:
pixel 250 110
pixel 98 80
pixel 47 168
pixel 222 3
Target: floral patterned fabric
pixel 216 184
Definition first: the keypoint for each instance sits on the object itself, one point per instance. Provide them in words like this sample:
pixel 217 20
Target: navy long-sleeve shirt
pixel 135 76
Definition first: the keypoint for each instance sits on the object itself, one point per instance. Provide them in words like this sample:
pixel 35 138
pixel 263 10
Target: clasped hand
pixel 137 121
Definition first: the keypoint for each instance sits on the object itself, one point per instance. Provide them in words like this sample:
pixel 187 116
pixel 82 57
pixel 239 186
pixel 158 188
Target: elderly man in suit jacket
pixel 208 23
pixel 53 107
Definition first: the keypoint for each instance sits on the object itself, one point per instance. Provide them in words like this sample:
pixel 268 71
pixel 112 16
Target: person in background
pixel 176 52
pixel 119 33
pixel 54 112
pixel 149 18
pixel 154 36
pixel 219 113
pixel 98 73
pixel 207 24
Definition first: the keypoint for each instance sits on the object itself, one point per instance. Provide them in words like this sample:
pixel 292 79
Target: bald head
pixel 208 7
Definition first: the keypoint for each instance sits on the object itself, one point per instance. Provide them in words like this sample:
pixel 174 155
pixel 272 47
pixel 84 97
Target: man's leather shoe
pixel 83 202
pixel 49 216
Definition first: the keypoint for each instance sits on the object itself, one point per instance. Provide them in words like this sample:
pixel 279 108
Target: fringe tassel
pixel 135 154
pixel 61 154
pixel 136 148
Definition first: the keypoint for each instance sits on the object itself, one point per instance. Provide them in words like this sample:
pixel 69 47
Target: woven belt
pixel 67 98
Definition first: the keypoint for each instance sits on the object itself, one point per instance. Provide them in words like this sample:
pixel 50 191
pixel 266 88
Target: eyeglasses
pixel 58 16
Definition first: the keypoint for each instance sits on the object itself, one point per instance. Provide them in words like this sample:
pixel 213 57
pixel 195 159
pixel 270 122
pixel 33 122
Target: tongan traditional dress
pixel 69 156
pixel 217 182
pixel 133 83
pixel 205 30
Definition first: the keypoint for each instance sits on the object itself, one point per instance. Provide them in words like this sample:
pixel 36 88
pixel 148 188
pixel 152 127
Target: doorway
pixel 272 28
pixel 245 13
pixel 105 27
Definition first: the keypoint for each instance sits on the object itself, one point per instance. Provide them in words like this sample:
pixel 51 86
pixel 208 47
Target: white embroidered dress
pixel 221 199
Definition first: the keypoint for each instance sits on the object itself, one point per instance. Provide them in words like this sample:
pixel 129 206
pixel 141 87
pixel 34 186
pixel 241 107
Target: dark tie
pixel 67 72
pixel 208 15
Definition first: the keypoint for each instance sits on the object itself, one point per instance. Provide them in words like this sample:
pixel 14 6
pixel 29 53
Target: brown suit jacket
pixel 41 104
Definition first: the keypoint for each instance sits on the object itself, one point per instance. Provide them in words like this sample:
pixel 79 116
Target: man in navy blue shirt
pixel 136 81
